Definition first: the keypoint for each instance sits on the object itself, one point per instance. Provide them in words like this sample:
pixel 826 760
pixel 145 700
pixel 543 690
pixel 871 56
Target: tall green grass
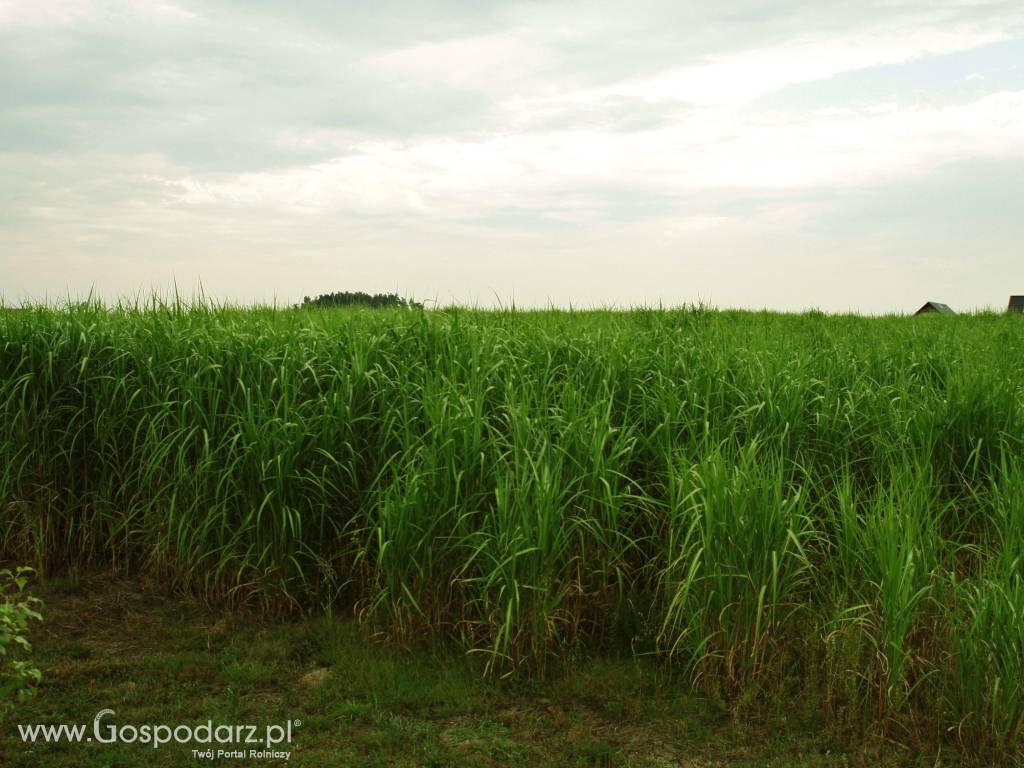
pixel 766 501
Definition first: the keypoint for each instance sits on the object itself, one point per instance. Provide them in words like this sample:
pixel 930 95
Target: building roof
pixel 935 306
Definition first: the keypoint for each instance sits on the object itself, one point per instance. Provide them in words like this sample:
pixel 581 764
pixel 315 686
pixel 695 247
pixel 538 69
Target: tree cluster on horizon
pixel 359 298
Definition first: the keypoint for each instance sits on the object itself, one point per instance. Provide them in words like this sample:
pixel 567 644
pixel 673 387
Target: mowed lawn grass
pixel 155 658
pixel 820 510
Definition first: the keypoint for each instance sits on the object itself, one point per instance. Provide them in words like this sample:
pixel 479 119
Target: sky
pixel 849 156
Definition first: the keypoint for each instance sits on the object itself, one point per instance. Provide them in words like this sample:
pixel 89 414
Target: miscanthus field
pixel 824 508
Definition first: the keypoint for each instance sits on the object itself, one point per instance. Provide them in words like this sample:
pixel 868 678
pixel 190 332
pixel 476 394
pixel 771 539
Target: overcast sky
pixel 862 155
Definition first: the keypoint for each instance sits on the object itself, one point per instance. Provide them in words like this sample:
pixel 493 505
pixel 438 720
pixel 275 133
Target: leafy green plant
pixel 18 676
pixel 988 669
pixel 737 566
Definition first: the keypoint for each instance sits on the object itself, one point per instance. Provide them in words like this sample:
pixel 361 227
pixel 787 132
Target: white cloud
pixel 476 63
pixel 711 151
pixel 739 76
pixel 69 13
pixel 731 72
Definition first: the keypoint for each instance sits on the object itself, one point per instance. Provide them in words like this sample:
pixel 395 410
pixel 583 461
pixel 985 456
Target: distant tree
pixel 358 298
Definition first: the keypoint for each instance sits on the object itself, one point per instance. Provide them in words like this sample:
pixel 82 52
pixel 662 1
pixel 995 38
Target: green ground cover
pixel 156 658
